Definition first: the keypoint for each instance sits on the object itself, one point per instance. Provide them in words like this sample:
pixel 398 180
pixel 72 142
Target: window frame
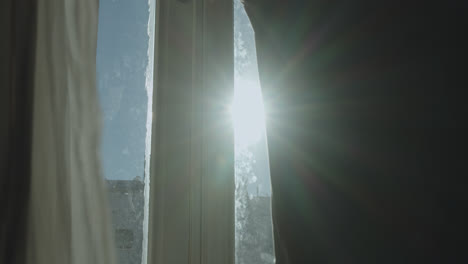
pixel 191 202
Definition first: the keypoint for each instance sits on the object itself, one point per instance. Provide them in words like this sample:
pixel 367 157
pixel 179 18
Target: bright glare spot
pixel 247 113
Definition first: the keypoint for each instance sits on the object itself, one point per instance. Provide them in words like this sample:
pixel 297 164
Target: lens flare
pixel 247 113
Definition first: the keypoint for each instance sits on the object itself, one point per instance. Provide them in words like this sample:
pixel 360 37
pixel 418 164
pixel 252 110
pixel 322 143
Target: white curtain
pixel 68 215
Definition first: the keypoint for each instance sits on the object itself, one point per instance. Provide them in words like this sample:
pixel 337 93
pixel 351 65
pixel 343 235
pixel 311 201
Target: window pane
pixel 124 76
pixel 254 236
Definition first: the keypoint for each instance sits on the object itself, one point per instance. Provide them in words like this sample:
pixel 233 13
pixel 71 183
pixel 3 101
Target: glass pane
pixel 124 77
pixel 254 236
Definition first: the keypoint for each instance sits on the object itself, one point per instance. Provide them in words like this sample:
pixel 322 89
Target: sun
pixel 247 113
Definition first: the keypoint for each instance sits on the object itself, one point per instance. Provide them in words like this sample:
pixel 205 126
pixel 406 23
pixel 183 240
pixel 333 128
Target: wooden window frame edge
pixel 191 204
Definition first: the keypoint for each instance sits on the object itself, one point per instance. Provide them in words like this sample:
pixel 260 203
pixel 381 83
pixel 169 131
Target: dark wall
pixel 17 52
pixel 366 106
pixel 5 30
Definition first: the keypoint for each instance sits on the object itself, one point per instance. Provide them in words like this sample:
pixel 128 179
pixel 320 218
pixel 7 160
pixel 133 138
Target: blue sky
pixel 121 65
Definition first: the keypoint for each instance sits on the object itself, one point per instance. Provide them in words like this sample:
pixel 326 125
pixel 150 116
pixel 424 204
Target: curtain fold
pixel 361 106
pixel 54 198
pixel 69 217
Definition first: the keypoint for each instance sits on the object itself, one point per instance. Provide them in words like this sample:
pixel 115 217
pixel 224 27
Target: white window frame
pixel 191 206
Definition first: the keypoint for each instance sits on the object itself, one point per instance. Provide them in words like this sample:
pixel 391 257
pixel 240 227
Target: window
pixel 254 237
pixel 124 77
pixel 209 200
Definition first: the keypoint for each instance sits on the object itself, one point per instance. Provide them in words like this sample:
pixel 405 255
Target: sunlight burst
pixel 247 113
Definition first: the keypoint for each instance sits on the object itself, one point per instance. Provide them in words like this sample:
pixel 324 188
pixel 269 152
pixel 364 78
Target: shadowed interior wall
pixel 17 56
pixel 364 111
